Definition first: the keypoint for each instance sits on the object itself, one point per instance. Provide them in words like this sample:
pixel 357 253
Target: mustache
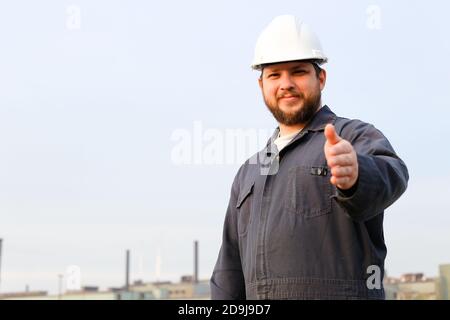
pixel 290 94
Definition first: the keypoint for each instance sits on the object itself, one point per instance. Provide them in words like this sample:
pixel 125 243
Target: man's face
pixel 292 91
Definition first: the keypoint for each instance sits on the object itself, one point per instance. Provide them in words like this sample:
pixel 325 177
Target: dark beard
pixel 303 116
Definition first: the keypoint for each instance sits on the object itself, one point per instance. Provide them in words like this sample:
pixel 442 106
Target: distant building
pixel 410 286
pixel 86 293
pixel 415 286
pixel 139 290
pixel 29 295
pixel 186 289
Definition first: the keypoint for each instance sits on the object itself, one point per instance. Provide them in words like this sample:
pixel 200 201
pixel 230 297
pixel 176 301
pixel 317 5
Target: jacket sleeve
pixel 227 281
pixel 382 175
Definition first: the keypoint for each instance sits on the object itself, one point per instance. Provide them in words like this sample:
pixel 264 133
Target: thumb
pixel 331 135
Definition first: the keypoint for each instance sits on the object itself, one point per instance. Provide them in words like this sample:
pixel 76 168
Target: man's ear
pixel 322 78
pixel 260 83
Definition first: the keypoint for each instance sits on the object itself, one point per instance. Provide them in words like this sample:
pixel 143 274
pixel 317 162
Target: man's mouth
pixel 289 97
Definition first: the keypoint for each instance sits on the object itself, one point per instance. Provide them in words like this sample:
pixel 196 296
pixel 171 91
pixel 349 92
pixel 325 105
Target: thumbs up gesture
pixel 341 159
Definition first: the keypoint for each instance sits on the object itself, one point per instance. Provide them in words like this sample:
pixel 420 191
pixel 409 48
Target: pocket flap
pixel 244 194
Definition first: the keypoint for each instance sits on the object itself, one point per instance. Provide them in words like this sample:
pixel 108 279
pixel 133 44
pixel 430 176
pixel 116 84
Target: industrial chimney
pixel 195 278
pixel 127 271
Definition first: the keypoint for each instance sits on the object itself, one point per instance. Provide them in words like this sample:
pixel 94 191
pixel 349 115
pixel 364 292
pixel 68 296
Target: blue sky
pixel 89 104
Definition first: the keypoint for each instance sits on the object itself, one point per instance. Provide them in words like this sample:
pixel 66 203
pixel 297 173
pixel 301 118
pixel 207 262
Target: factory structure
pixel 189 287
pixel 416 286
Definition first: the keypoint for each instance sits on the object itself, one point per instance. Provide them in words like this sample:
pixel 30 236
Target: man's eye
pixel 299 71
pixel 272 75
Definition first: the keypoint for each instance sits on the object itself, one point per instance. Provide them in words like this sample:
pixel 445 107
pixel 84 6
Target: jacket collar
pixel 318 122
pixel 322 117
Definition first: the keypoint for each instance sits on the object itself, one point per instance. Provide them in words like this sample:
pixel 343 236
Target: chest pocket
pixel 309 191
pixel 244 208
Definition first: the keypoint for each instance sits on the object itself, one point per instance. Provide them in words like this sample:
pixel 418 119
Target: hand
pixel 341 159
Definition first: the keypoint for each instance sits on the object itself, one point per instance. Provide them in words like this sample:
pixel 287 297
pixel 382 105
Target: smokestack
pixel 158 265
pixel 127 271
pixel 195 280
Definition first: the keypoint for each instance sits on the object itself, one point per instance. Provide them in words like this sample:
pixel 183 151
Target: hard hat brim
pixel 319 62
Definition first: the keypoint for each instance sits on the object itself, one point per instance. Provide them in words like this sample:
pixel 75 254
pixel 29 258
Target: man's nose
pixel 286 82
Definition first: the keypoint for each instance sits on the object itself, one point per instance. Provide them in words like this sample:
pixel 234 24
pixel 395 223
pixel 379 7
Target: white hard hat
pixel 287 38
